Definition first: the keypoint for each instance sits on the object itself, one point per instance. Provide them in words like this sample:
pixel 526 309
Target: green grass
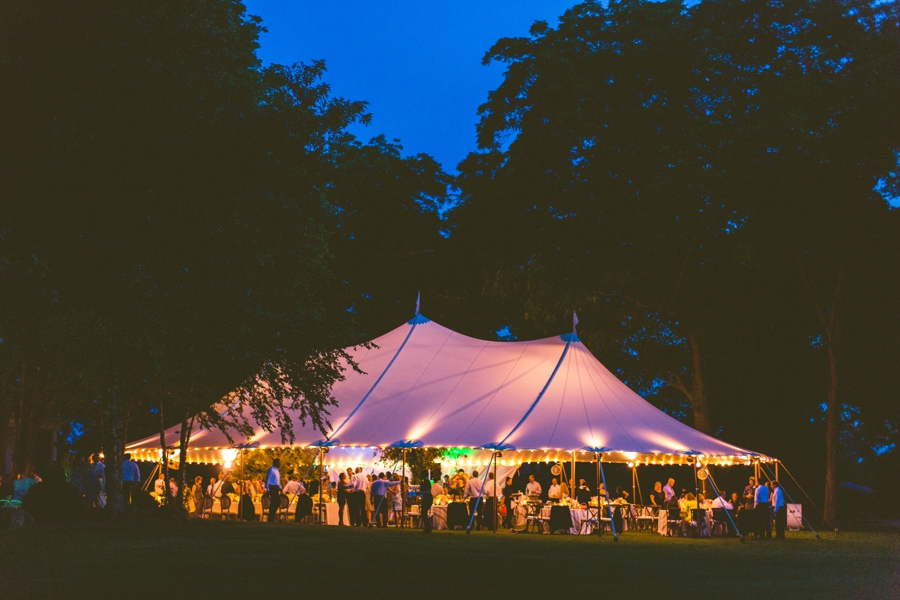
pixel 252 560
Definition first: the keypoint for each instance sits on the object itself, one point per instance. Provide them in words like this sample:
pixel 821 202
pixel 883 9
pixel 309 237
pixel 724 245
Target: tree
pixel 675 172
pixel 165 201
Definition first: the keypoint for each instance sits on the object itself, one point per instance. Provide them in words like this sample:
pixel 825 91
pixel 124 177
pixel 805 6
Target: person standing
pixel 508 500
pixel 273 484
pixel 471 494
pixel 554 493
pixel 360 485
pixel 762 507
pixel 426 492
pixel 379 490
pixel 342 498
pixel 657 498
pixel 487 502
pixel 131 476
pixel 533 488
pixel 669 493
pixel 780 509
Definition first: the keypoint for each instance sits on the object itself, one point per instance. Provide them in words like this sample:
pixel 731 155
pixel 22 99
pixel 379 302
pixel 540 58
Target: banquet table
pixel 332 510
pixel 663 522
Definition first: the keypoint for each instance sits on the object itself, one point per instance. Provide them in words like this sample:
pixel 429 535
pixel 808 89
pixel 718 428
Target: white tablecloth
pixel 331 513
pixel 439 517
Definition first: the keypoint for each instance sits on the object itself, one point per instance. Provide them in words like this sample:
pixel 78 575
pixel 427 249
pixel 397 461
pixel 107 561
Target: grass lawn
pixel 197 560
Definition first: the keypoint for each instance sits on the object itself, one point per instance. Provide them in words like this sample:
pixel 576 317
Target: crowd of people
pixel 368 499
pixel 753 511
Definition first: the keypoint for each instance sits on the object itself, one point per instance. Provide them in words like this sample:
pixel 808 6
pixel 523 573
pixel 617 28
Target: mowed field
pixel 162 559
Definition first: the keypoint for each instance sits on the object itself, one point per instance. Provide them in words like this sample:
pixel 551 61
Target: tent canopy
pixel 424 385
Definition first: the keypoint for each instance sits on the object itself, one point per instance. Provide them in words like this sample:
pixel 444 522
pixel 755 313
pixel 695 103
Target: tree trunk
pixel 702 421
pixel 113 451
pixel 164 466
pixel 187 424
pixel 830 325
pixel 695 391
pixel 832 427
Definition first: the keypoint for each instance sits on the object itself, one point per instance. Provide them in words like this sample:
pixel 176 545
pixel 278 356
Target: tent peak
pixel 418 320
pixel 570 337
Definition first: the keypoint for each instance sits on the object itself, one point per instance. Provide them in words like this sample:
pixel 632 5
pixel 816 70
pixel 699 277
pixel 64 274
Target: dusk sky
pixel 418 64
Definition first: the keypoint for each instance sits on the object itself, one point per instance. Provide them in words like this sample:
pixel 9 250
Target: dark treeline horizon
pixel 706 186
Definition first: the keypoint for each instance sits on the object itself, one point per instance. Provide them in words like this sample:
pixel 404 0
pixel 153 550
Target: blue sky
pixel 418 64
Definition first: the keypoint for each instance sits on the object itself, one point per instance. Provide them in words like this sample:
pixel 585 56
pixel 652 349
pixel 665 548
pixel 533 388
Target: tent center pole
pixel 321 483
pixel 497 455
pixel 402 491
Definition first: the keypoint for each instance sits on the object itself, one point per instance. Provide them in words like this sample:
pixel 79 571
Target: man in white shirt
pixel 780 510
pixel 358 498
pixel 533 488
pixel 273 484
pixel 472 491
pixel 721 502
pixel 216 491
pixel 437 489
pixel 293 488
pixel 553 494
pixel 763 510
pixel 131 477
pixel 669 491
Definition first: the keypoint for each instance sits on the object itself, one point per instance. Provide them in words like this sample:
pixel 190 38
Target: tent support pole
pixel 633 484
pixel 321 479
pixel 402 492
pixel 496 507
pixel 241 497
pixel 612 521
pixel 599 527
pixel 697 496
pixel 572 481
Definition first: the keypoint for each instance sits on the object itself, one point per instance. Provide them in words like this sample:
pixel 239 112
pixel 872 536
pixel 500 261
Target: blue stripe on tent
pixel 541 395
pixel 380 377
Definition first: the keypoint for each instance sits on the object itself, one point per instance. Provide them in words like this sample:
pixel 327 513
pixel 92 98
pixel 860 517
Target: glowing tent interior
pixel 424 385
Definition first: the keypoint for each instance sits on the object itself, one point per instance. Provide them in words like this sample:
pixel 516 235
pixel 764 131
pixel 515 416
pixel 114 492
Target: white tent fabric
pixel 426 385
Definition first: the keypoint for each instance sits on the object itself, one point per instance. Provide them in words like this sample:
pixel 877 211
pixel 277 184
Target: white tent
pixel 424 385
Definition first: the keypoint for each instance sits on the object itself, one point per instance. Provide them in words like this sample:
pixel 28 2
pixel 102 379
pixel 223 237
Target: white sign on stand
pixel 795 517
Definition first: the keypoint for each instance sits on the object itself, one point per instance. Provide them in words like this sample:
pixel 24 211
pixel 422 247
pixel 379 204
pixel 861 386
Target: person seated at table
pixel 686 504
pixel 533 488
pixel 554 493
pixel 601 491
pixel 293 487
pixel 582 492
pixel 228 486
pixel 173 488
pixel 657 497
pixel 721 502
pixel 437 488
pixel 621 494
pixel 563 490
pixel 159 486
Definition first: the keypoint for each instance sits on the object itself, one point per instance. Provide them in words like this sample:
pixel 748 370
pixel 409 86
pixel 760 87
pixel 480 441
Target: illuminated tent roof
pixel 426 385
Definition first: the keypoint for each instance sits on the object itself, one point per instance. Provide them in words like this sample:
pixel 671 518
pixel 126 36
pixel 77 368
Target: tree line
pixel 708 186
